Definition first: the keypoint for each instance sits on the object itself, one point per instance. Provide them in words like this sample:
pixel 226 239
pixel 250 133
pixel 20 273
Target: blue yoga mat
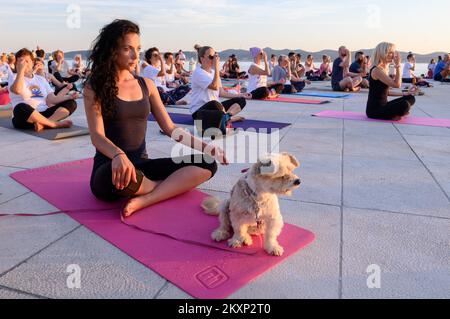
pixel 259 126
pixel 323 94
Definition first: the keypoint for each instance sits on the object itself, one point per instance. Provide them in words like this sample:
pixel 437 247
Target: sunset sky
pixel 224 24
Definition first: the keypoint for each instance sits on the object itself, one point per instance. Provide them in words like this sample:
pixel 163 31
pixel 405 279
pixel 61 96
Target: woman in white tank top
pixel 257 77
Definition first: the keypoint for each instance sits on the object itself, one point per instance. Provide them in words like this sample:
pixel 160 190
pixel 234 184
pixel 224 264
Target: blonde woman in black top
pixel 378 106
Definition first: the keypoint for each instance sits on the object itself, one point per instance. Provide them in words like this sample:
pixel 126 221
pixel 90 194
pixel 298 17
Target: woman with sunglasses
pixel 118 104
pixel 206 91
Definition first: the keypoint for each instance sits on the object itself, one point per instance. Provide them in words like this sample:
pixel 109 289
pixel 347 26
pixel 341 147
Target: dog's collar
pixel 250 193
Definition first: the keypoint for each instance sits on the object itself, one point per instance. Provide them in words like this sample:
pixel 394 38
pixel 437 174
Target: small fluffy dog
pixel 253 207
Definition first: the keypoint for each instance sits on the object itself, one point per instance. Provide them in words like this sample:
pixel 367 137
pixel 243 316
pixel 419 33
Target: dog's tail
pixel 211 206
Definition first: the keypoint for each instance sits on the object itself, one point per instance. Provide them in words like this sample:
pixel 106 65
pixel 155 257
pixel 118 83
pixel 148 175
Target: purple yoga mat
pixel 183 252
pixel 258 126
pixel 421 121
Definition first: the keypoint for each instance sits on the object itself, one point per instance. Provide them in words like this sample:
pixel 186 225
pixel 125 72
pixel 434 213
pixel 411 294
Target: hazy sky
pixel 223 24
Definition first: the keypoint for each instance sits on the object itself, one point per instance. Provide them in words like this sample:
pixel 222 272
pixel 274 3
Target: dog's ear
pixel 293 160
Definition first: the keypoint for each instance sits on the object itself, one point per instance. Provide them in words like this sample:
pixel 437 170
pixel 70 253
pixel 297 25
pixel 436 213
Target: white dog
pixel 253 206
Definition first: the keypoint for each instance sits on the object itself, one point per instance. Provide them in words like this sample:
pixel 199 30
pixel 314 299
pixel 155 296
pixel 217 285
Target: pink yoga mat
pixel 4 98
pixel 184 254
pixel 297 101
pixel 422 121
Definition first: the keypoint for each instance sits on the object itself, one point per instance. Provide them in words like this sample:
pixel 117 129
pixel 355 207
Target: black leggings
pixel 211 113
pixel 440 78
pixel 264 91
pixel 299 86
pixel 418 83
pixel 72 79
pixel 235 75
pixel 172 97
pixel 153 169
pixel 394 108
pixel 22 113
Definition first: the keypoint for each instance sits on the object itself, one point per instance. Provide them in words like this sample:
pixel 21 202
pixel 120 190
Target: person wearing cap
pixel 257 77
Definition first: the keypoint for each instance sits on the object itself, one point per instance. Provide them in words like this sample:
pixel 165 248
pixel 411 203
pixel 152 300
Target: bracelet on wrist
pixel 118 154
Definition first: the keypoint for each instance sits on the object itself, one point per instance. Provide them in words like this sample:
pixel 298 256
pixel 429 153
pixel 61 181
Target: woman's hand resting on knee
pixel 123 171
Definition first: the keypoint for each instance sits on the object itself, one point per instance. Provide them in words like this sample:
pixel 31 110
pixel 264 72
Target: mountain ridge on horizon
pixel 244 55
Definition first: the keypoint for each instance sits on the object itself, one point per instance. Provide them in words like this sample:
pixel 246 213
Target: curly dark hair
pixel 102 78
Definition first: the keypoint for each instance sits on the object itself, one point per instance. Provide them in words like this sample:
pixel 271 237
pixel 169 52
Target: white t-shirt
pixel 432 66
pixel 5 71
pixel 407 72
pixel 256 81
pixel 64 72
pixel 34 93
pixel 170 77
pixel 80 67
pixel 309 68
pixel 200 92
pixel 150 72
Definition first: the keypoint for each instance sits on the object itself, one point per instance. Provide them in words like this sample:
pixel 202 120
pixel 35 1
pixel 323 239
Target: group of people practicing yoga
pixel 120 92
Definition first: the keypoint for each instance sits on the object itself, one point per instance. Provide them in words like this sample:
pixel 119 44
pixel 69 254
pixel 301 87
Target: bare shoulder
pixel 377 72
pixel 88 92
pixel 150 85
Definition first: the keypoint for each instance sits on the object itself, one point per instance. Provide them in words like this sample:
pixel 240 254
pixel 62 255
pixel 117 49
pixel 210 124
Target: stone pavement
pixel 373 193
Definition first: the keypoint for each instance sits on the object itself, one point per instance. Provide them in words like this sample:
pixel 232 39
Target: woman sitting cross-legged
pixel 35 104
pixel 378 106
pixel 257 77
pixel 206 90
pixel 117 105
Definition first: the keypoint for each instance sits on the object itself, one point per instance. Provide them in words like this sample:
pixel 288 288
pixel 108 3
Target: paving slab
pixel 393 185
pixel 106 272
pixel 22 237
pixel 412 253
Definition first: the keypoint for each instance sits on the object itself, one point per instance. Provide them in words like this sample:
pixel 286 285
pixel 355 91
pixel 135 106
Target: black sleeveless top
pixel 378 95
pixel 128 126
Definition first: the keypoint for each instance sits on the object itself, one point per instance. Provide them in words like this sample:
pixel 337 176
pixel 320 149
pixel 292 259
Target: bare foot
pixel 135 204
pixel 38 127
pixel 356 89
pixel 237 119
pixel 64 124
pixel 181 103
pixel 141 201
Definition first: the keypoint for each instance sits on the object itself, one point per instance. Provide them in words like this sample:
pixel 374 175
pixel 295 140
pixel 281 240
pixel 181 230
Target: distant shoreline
pixel 244 55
